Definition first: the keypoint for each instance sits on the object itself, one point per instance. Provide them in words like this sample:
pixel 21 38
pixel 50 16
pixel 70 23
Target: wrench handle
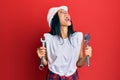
pixel 87 38
pixel 41 66
pixel 88 60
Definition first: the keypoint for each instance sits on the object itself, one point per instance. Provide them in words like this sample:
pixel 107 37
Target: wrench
pixel 86 39
pixel 41 66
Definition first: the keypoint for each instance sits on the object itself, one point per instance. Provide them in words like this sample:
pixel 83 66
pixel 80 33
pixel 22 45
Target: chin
pixel 69 24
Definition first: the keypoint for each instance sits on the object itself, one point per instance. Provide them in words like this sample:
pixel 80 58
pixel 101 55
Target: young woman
pixel 64 47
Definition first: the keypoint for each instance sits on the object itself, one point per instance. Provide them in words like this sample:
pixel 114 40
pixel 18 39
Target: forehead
pixel 61 10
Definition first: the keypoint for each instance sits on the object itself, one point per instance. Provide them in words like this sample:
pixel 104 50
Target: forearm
pixel 81 61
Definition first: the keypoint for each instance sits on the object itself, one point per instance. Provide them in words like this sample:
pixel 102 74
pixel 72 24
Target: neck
pixel 64 32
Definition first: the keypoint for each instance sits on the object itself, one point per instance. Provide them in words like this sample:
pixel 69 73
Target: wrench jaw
pixel 87 38
pixel 41 66
pixel 42 39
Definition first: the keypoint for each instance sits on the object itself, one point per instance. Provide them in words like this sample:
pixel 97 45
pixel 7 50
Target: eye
pixel 65 12
pixel 61 11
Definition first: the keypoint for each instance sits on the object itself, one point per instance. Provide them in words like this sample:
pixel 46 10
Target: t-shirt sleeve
pixel 47 37
pixel 79 39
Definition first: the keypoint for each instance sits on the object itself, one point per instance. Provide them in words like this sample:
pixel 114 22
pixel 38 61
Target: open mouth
pixel 67 19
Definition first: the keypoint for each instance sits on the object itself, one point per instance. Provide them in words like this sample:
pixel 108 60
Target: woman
pixel 64 47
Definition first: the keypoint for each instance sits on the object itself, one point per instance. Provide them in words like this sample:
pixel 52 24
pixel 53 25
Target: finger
pixel 42 47
pixel 88 48
pixel 42 52
pixel 88 52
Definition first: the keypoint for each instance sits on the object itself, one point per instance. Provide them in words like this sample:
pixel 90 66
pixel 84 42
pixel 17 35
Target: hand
pixel 88 51
pixel 41 52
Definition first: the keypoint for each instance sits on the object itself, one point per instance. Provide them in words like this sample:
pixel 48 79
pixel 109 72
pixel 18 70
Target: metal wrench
pixel 41 66
pixel 86 39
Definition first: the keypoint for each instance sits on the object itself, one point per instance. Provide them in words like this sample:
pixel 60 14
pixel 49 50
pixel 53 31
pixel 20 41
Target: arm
pixel 82 59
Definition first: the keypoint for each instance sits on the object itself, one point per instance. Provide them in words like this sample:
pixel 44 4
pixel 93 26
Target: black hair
pixel 55 26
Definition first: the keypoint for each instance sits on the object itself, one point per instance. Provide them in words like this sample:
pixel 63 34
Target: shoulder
pixel 76 39
pixel 77 35
pixel 48 36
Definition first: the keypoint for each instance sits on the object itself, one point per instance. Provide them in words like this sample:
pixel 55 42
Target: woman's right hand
pixel 41 52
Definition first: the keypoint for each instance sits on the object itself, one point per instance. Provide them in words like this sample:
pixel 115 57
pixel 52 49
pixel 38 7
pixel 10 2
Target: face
pixel 64 18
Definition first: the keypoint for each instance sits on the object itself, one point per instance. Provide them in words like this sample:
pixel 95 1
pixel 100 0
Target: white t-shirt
pixel 63 54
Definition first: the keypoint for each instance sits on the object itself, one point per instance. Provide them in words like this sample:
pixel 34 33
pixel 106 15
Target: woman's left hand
pixel 88 51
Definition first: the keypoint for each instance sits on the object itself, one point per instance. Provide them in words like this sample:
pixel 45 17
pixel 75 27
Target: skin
pixel 65 21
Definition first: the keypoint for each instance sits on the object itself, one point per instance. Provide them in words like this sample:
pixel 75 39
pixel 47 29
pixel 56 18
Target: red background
pixel 23 22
